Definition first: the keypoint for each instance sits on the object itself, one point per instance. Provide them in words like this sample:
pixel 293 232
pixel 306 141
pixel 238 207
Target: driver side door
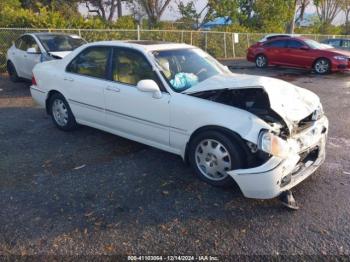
pixel 130 112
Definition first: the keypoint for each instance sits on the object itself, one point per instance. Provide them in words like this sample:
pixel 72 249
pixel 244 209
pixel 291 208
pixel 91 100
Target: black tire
pixel 11 70
pixel 63 120
pixel 261 61
pixel 234 151
pixel 322 66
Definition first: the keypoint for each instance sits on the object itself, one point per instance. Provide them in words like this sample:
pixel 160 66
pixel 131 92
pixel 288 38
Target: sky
pixel 172 12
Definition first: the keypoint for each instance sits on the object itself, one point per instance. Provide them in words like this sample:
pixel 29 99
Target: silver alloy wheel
pixel 322 66
pixel 213 159
pixel 60 112
pixel 261 61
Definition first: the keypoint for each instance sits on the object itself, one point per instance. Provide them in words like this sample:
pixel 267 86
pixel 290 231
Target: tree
pixel 67 8
pixel 105 9
pixel 346 9
pixel 327 10
pixel 153 9
pixel 189 15
pixel 273 15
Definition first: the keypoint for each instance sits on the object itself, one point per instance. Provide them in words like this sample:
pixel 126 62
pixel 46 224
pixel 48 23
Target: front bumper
pixel 278 175
pixel 340 65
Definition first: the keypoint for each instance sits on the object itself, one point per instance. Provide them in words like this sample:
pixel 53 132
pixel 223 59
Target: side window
pixel 91 62
pixel 335 42
pixel 294 44
pixel 276 44
pixel 346 43
pixel 28 42
pixel 129 67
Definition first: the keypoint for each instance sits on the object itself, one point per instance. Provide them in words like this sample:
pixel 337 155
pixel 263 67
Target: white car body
pixel 25 61
pixel 169 120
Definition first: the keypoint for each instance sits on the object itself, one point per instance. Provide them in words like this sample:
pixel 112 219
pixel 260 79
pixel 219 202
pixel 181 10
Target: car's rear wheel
pixel 261 61
pixel 212 154
pixel 322 66
pixel 12 72
pixel 61 113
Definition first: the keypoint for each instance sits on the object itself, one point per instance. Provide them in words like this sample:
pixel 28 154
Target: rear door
pixel 274 51
pixel 85 79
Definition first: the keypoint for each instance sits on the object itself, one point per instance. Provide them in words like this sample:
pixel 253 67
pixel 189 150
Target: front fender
pixel 188 114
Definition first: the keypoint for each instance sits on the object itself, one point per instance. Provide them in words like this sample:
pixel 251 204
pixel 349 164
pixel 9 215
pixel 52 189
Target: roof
pixel 144 45
pixel 148 42
pixel 48 33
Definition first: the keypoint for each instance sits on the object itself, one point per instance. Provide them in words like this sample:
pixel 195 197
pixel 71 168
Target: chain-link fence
pixel 218 44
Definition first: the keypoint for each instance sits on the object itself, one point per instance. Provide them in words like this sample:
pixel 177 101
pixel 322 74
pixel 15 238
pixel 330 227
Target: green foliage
pixel 12 15
pixel 273 15
pixel 189 16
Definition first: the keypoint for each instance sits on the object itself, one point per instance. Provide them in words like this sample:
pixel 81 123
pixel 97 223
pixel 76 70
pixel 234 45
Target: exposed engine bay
pixel 253 100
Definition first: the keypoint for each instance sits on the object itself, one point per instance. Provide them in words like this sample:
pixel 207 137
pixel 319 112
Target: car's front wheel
pixel 212 154
pixel 322 66
pixel 261 61
pixel 61 113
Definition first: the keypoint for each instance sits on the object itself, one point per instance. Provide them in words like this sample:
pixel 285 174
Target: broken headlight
pixel 272 144
pixel 318 113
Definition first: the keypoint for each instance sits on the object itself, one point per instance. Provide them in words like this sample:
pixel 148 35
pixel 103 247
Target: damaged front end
pixel 287 153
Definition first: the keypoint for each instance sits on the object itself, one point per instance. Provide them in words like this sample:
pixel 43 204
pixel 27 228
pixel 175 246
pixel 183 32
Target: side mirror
pixel 32 50
pixel 149 85
pixel 305 48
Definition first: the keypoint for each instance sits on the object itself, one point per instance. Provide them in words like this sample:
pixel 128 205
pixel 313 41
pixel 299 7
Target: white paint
pixel 167 120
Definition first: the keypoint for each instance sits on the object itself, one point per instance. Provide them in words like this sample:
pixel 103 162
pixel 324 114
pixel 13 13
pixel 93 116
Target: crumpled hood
pixel 291 102
pixel 60 54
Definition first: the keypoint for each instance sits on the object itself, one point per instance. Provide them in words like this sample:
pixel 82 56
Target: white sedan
pixel 33 48
pixel 264 134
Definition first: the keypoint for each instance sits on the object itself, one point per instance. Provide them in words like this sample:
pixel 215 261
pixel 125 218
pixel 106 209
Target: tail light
pixel 33 81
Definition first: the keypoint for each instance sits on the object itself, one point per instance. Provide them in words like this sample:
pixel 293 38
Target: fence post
pixel 248 44
pixel 182 36
pixel 233 46
pixel 206 41
pixel 225 49
pixel 191 37
pixel 138 33
pixel 79 32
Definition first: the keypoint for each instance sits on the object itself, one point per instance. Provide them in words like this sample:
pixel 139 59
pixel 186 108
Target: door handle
pixel 113 89
pixel 68 79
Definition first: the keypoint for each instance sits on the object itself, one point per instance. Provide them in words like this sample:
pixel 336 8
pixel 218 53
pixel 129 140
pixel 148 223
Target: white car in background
pixel 31 49
pixel 265 134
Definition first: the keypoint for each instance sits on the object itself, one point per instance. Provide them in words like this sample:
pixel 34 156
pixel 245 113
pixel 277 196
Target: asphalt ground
pixel 89 193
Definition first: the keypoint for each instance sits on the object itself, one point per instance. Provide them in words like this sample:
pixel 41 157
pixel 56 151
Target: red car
pixel 299 52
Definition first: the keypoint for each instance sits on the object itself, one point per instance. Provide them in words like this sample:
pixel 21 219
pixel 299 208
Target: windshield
pixel 60 43
pixel 316 45
pixel 185 68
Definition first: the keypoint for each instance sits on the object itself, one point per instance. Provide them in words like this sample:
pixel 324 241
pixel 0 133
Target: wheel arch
pixel 49 95
pixel 228 132
pixel 260 53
